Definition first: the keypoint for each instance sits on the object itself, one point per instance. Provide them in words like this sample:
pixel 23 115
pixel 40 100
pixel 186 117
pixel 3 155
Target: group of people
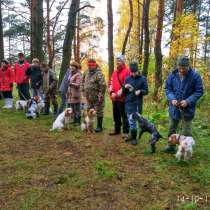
pixel 126 88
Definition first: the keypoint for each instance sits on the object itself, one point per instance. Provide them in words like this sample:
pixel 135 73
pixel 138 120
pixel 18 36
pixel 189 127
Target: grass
pixel 71 170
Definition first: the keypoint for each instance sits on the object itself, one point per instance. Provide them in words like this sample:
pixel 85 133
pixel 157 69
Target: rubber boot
pixel 170 149
pixel 133 137
pixel 46 109
pixel 55 111
pixel 5 103
pixel 99 125
pixel 10 103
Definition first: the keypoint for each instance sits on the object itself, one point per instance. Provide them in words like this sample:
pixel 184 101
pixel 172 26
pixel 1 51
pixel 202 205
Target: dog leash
pixel 22 94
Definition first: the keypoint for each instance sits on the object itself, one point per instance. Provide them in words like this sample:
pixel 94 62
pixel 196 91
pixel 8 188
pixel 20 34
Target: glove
pixel 137 93
pixel 11 85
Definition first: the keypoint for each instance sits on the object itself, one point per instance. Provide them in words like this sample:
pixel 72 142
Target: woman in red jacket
pixel 116 85
pixel 6 83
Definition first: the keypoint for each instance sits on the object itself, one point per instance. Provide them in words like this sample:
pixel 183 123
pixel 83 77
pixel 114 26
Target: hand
pixel 110 89
pixel 113 95
pixel 183 103
pixel 137 93
pixel 120 92
pixel 174 102
pixel 127 86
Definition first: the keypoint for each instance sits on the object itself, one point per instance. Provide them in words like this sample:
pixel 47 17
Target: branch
pixel 81 8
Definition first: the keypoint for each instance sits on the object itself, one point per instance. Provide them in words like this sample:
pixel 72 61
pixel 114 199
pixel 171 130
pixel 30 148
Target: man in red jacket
pixel 21 79
pixel 6 83
pixel 116 85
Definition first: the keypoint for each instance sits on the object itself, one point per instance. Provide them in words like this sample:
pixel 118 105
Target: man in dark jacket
pixel 35 74
pixel 183 89
pixel 135 88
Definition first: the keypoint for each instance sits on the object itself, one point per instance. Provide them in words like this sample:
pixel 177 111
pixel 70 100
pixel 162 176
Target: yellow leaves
pixel 185 35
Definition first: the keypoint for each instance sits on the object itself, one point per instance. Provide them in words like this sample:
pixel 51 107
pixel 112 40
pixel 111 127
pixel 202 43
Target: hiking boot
pixel 114 133
pixel 170 149
pixel 99 125
pixel 133 137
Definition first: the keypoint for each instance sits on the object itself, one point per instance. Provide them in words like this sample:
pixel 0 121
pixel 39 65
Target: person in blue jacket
pixel 184 87
pixel 135 88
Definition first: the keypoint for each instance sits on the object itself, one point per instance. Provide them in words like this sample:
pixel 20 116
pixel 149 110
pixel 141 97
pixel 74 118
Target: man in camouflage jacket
pixel 49 88
pixel 93 89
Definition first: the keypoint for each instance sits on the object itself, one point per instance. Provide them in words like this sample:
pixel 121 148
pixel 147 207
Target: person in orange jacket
pixel 21 79
pixel 6 83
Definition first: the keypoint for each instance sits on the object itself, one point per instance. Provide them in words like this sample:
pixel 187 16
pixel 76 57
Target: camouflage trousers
pixel 185 126
pixel 99 107
pixel 51 96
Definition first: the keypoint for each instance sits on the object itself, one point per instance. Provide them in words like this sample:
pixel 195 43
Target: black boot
pixel 46 109
pixel 99 125
pixel 55 109
pixel 133 137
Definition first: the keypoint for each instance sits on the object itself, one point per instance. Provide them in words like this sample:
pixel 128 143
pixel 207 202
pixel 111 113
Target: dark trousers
pixel 7 94
pixel 23 91
pixel 76 111
pixel 120 117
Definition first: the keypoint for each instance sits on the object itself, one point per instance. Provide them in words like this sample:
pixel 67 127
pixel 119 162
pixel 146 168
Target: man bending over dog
pixel 183 89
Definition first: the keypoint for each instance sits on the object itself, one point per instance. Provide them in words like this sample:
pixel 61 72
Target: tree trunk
pixel 49 37
pixel 78 37
pixel 158 52
pixel 147 38
pixel 37 22
pixel 129 27
pixel 142 36
pixel 139 33
pixel 110 37
pixel 177 13
pixel 67 44
pixel 206 37
pixel 1 36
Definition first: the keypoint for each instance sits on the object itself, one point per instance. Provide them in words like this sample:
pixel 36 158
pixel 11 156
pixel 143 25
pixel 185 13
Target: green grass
pixel 71 170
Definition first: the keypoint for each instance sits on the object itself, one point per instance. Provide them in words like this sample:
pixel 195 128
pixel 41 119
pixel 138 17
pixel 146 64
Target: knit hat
pixel 184 61
pixel 20 54
pixel 133 67
pixel 121 58
pixel 75 64
pixel 35 60
pixel 5 61
pixel 92 63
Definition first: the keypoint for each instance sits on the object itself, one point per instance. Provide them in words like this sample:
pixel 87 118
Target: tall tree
pixel 37 23
pixel 1 35
pixel 158 52
pixel 147 37
pixel 70 33
pixel 207 34
pixel 129 27
pixel 110 37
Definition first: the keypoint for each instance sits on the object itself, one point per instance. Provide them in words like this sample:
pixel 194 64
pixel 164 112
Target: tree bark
pixel 67 44
pixel 129 27
pixel 1 36
pixel 147 38
pixel 49 36
pixel 110 37
pixel 158 52
pixel 206 43
pixel 37 22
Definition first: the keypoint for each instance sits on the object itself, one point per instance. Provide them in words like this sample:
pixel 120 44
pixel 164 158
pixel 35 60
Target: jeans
pixel 23 91
pixel 63 102
pixel 132 122
pixel 185 127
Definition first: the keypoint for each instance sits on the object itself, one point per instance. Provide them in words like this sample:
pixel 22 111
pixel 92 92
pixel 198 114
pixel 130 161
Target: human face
pixel 21 58
pixel 73 68
pixel 119 64
pixel 35 64
pixel 4 65
pixel 183 70
pixel 134 74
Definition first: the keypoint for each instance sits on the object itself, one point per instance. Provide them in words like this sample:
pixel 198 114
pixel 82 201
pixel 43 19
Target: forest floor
pixel 70 170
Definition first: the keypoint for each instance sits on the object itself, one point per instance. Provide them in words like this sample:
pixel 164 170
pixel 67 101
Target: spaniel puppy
pixel 88 123
pixel 33 108
pixel 185 148
pixel 147 126
pixel 62 120
pixel 21 105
